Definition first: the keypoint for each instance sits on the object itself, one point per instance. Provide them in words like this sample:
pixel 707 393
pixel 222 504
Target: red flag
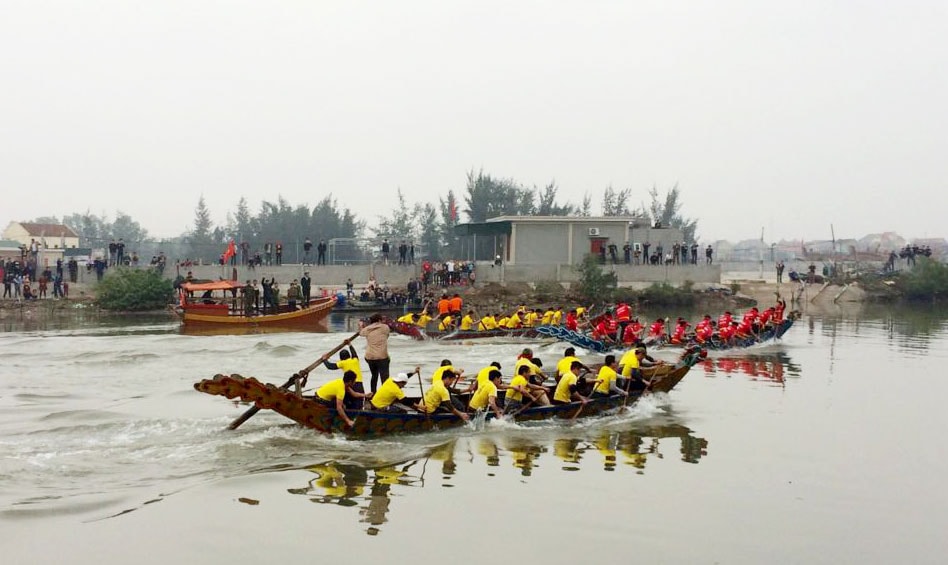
pixel 231 250
pixel 454 211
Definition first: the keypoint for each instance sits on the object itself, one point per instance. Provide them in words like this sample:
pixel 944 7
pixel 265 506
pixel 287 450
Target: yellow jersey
pixel 423 320
pixel 483 375
pixel 608 376
pixel 563 365
pixel 534 370
pixel 435 395
pixel 563 393
pixel 515 395
pixel 557 317
pixel 547 318
pixel 514 321
pixel 387 394
pixel 351 364
pixel 487 323
pixel 480 399
pixel 408 318
pixel 445 324
pixel 438 374
pixel 332 390
pixel 467 323
pixel 628 362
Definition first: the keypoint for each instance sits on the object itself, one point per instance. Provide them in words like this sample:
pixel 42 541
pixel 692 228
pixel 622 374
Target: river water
pixel 826 448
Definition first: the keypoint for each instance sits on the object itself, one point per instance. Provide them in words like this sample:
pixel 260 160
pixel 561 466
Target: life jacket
pixel 623 312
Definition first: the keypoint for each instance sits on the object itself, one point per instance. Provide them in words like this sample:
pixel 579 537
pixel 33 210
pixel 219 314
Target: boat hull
pixel 301 318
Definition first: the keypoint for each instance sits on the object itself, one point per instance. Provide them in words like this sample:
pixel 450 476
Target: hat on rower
pixel 401 378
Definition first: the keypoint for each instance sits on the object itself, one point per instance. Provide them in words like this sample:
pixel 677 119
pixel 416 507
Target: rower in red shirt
pixel 778 310
pixel 571 321
pixel 678 336
pixel 632 332
pixel 657 329
pixel 704 332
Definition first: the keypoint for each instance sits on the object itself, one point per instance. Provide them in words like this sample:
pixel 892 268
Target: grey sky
pixel 782 116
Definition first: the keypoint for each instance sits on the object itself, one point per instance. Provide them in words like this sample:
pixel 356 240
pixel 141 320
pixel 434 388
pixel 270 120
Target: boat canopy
pixel 213 285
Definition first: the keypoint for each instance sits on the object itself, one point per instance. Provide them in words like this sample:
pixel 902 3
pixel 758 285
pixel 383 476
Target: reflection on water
pixel 373 489
pixel 774 367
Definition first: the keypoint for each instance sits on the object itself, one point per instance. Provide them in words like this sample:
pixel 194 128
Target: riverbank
pixel 494 297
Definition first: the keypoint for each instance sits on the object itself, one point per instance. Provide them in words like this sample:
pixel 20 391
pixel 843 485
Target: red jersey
pixel 571 323
pixel 623 312
pixel 658 328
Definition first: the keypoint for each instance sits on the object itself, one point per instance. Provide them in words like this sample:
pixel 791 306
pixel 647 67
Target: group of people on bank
pixel 645 254
pixel 446 389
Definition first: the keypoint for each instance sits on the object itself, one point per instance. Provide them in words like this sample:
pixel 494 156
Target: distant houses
pixel 51 240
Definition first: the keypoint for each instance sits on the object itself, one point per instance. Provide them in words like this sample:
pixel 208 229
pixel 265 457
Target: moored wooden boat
pixel 223 312
pixel 309 413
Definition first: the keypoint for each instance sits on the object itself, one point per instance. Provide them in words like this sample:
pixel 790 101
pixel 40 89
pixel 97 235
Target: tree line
pixel 430 226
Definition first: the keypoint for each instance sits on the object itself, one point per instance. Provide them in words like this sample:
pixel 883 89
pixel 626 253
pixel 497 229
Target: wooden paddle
pixel 293 380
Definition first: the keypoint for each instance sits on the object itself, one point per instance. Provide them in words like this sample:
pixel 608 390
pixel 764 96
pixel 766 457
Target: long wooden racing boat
pixel 418 333
pixel 226 309
pixel 310 413
pixel 771 332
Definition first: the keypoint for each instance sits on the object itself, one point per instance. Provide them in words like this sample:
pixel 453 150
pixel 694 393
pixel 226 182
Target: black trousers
pixel 379 368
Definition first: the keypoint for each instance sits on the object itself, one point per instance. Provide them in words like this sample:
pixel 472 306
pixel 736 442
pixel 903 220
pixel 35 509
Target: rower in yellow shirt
pixel 547 318
pixel 482 377
pixel 566 390
pixel 467 322
pixel 514 321
pixel 531 319
pixel 349 361
pixel 606 379
pixel 557 316
pixel 445 367
pixel 519 388
pixel 388 395
pixel 334 393
pixel 487 323
pixel 408 318
pixel 437 396
pixel 446 324
pixel 486 396
pixel 563 365
pixel 502 322
pixel 423 319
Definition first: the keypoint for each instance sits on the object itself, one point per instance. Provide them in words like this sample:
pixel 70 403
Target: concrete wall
pixel 540 244
pixel 627 275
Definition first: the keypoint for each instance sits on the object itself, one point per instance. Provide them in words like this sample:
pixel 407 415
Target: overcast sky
pixel 786 116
